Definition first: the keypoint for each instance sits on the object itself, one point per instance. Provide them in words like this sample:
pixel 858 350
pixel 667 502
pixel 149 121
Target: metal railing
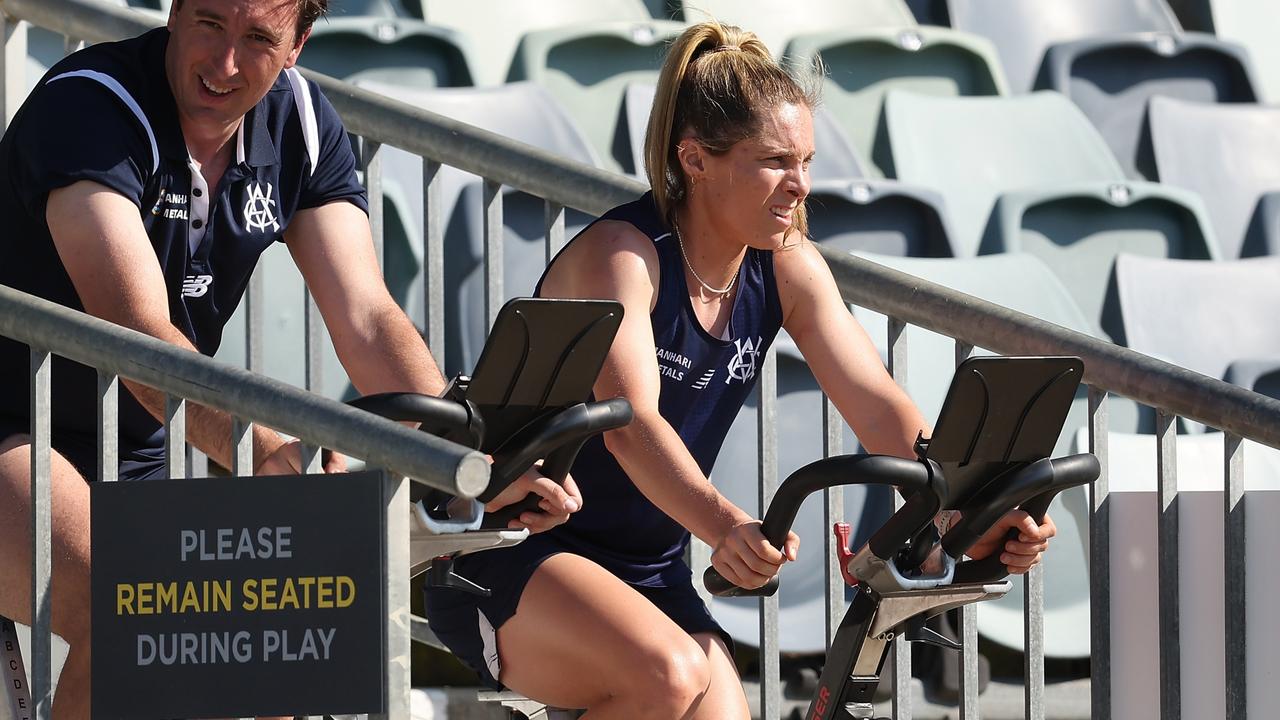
pixel 1174 392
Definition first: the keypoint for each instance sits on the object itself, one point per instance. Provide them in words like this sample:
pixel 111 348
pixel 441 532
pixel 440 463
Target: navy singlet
pixel 705 381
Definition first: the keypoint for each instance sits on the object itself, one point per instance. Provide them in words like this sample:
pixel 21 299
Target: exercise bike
pixel 989 454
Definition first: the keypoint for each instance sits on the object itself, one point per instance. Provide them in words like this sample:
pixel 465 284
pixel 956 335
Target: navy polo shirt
pixel 107 114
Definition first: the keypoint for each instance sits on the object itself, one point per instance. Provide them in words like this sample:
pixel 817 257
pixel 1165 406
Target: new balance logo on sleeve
pixel 195 286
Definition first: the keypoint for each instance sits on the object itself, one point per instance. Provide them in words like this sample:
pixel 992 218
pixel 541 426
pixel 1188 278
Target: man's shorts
pixel 82 452
pixel 468 623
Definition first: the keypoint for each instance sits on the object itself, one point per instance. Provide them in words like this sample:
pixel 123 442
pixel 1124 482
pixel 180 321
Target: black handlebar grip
pixel 1067 473
pixel 720 586
pixel 437 416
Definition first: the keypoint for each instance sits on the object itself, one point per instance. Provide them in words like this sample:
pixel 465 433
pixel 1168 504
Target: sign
pixel 238 597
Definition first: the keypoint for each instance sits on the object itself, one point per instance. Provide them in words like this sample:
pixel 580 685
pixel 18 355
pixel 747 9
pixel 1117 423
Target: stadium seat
pixel 973 149
pixel 1079 231
pixel 776 23
pixel 494 27
pixel 409 53
pixel 1251 23
pixel 861 66
pixel 1261 376
pixel 881 216
pixel 1112 80
pixel 368 8
pixel 930 12
pixel 1022 31
pixel 520 111
pixel 1230 156
pixel 1200 315
pixel 588 68
pixel 1024 283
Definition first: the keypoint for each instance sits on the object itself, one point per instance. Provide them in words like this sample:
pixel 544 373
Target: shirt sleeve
pixel 334 177
pixel 77 129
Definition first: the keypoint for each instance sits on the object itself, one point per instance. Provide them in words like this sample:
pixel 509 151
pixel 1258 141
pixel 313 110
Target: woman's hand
pixel 557 502
pixel 745 558
pixel 1018 555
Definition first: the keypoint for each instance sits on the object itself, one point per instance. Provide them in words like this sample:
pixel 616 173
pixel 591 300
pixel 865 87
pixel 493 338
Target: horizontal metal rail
pixel 314 419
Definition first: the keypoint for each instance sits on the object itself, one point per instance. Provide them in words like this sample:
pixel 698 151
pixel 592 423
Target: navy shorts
pixel 82 452
pixel 468 623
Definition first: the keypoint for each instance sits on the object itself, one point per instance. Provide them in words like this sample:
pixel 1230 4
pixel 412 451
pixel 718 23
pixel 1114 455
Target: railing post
pixel 396 630
pixel 833 509
pixel 41 536
pixel 897 344
pixel 14 71
pixel 493 238
pixel 1235 579
pixel 770 661
pixel 433 259
pixel 371 157
pixel 554 222
pixel 1099 563
pixel 108 427
pixel 968 619
pixel 1167 544
pixel 175 436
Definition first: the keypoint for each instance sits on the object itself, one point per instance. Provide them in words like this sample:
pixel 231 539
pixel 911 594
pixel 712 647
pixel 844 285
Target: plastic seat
pixel 1236 173
pixel 880 216
pixel 1022 31
pixel 588 69
pixel 369 8
pixel 973 149
pixel 835 157
pixel 404 52
pixel 1200 315
pixel 1251 23
pixel 863 65
pixel 1021 282
pixel 494 27
pixel 1112 80
pixel 1079 231
pixel 776 23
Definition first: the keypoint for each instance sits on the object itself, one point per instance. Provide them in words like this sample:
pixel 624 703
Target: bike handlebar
pixel 911 475
pixel 1032 487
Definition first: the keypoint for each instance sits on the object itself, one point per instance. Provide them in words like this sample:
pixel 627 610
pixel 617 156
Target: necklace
pixel 709 288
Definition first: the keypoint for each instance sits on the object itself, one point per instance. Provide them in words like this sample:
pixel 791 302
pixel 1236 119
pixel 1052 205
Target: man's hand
pixel 557 502
pixel 747 559
pixel 1018 555
pixel 287 460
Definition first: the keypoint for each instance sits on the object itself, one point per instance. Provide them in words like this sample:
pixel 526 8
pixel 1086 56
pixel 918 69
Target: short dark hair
pixel 308 12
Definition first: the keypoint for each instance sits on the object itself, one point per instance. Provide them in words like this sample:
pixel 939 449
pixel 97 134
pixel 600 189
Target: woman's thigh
pixel 580 636
pixel 724 694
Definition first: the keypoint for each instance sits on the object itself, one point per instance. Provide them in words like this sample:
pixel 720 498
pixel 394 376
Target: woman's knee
pixel 674 674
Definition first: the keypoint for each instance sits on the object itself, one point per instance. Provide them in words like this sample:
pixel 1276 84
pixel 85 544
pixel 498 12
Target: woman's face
pixel 753 191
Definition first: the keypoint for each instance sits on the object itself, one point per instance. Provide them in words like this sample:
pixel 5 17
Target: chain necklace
pixel 706 286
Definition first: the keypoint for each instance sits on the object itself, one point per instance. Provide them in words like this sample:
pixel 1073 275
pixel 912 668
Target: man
pixel 141 181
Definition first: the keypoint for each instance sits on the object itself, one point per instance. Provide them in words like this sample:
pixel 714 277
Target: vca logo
pixel 258 213
pixel 742 366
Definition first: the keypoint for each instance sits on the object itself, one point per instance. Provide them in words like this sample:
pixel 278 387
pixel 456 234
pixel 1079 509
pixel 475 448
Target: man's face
pixel 224 55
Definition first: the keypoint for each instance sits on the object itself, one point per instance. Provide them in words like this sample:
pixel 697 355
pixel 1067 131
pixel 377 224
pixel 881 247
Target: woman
pixel 600 613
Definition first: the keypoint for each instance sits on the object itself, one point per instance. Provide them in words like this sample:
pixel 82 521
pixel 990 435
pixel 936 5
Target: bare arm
pixel 377 344
pixel 108 256
pixel 614 260
pixel 848 369
pixel 842 356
